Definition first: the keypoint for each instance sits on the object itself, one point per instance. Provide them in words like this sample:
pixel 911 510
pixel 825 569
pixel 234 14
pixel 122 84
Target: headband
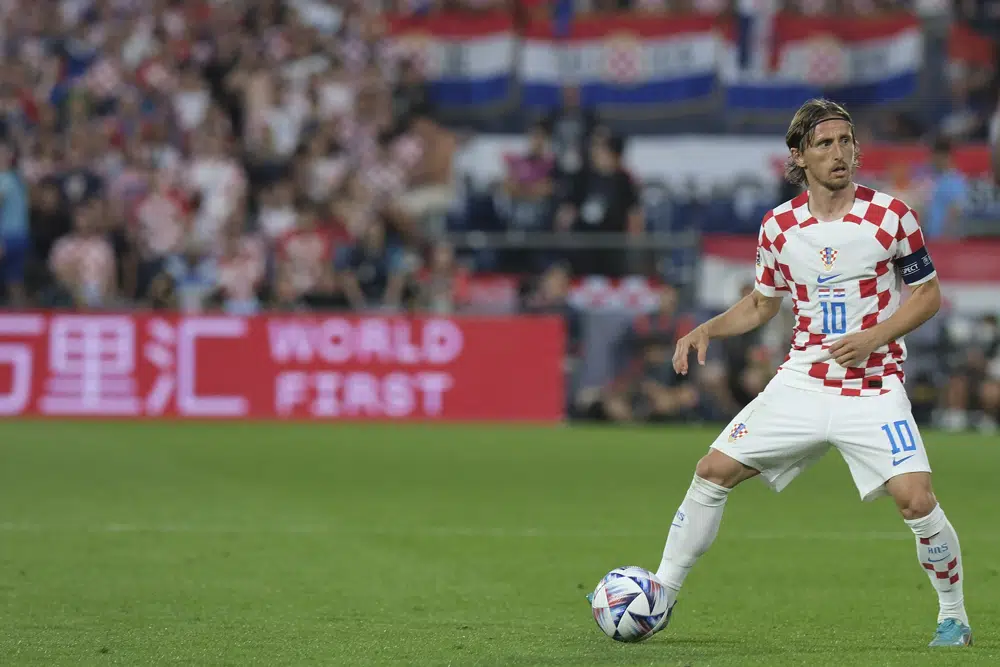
pixel 813 125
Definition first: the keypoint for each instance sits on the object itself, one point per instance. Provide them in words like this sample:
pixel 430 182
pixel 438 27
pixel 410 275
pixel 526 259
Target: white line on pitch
pixel 444 532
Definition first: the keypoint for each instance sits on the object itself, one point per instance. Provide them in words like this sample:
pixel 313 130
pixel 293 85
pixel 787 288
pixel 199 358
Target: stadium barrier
pixel 165 366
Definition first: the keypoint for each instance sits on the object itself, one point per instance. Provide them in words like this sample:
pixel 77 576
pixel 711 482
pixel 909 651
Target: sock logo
pixel 678 520
pixel 941 551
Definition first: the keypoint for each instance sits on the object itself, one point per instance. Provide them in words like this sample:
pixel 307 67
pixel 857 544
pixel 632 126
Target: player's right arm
pixel 747 314
pixel 750 312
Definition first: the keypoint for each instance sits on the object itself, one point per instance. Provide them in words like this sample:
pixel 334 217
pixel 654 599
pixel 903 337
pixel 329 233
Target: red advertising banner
pixel 280 367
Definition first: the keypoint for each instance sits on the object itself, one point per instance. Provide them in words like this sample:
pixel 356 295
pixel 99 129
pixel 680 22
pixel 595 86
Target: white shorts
pixel 785 430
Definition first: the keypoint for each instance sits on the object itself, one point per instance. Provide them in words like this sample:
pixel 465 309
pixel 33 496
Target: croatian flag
pixel 625 63
pixel 467 60
pixel 774 61
pixel 832 293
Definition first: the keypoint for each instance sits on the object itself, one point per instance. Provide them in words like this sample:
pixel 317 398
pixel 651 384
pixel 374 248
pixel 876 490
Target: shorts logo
pixel 829 256
pixel 758 257
pixel 896 462
pixel 737 432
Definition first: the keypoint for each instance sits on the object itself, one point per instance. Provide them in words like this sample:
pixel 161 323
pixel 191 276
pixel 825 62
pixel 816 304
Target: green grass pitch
pixel 250 544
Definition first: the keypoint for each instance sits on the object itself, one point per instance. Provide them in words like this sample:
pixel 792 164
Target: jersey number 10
pixel 834 317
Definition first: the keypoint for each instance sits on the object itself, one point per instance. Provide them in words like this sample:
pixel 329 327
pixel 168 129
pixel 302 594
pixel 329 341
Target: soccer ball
pixel 630 604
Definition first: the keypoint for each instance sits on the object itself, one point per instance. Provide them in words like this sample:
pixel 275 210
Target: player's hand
pixel 697 339
pixel 854 349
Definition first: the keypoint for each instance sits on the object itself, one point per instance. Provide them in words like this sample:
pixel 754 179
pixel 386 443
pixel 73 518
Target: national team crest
pixel 829 256
pixel 737 432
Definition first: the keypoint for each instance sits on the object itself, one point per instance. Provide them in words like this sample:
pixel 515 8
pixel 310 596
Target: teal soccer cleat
pixel 952 632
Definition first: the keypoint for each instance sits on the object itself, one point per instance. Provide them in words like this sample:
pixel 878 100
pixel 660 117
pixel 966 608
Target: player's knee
pixel 916 504
pixel 914 494
pixel 722 470
pixel 919 506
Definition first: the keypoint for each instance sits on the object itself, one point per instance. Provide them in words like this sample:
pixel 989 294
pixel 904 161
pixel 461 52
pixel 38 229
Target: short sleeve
pixel 911 256
pixel 769 280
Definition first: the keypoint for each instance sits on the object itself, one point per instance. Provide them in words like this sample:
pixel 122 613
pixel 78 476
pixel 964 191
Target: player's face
pixel 829 159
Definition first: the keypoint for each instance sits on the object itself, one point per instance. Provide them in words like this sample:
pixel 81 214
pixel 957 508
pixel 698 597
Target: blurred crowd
pixel 190 154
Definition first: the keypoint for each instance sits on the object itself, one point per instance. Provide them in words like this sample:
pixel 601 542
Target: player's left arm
pixel 914 264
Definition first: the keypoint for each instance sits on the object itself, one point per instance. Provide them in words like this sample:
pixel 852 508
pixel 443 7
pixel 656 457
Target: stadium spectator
pixel 242 265
pixel 650 390
pixel 276 211
pixel 410 96
pixel 321 167
pixel 161 221
pixel 188 278
pixel 527 186
pixel 373 272
pixel 305 260
pixel 948 196
pixel 50 221
pixel 989 398
pixel 83 261
pixel 443 283
pixel 78 181
pixel 646 387
pixel 571 127
pixel 550 295
pixel 219 181
pixel 903 183
pixel 970 395
pixel 162 294
pixel 964 119
pixel 15 237
pixel 611 205
pixel 430 153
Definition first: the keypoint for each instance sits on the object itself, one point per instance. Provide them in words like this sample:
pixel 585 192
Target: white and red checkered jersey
pixel 83 261
pixel 304 253
pixel 844 276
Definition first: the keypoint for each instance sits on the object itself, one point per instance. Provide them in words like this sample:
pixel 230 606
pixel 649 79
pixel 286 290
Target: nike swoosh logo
pixel 931 560
pixel 821 279
pixel 896 462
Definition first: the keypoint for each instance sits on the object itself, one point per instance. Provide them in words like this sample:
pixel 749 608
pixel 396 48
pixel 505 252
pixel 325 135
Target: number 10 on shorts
pixel 902 440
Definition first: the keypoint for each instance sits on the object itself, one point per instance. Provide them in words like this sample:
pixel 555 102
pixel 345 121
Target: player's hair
pixel 803 128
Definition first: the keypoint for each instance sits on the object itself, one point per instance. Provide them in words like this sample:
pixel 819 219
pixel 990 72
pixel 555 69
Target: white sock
pixel 692 532
pixel 941 556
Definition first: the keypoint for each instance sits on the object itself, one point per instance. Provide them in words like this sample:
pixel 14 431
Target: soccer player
pixel 841 251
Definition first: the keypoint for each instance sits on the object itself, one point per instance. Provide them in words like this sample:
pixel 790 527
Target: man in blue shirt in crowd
pixel 949 194
pixel 14 235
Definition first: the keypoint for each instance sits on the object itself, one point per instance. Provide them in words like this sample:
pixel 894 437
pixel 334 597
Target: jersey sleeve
pixel 769 280
pixel 911 256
